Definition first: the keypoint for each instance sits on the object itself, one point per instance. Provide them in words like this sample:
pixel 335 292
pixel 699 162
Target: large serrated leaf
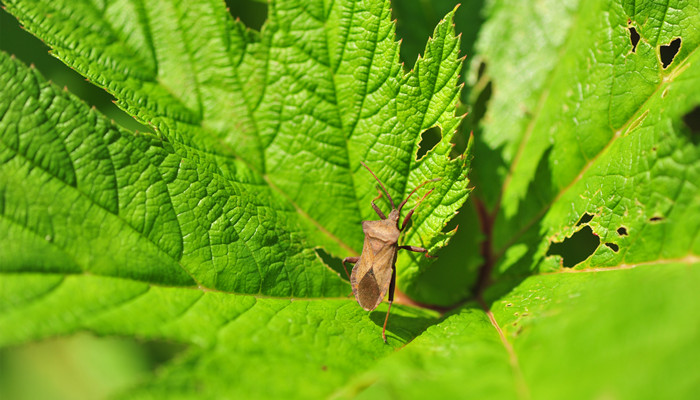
pixel 627 334
pixel 83 196
pixel 273 99
pixel 598 137
pixel 265 109
pixel 239 345
pixel 607 139
pixel 254 162
pixel 581 129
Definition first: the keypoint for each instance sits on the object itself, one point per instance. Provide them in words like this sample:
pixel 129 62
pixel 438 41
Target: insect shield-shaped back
pixel 375 269
pixel 371 276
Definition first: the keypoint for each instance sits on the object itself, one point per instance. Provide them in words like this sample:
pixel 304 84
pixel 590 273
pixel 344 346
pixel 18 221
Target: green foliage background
pixel 175 254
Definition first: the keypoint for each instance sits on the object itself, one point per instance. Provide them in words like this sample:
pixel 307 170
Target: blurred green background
pixel 83 366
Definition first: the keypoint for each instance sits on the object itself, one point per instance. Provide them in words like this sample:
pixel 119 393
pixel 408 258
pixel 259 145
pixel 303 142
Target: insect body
pixel 375 269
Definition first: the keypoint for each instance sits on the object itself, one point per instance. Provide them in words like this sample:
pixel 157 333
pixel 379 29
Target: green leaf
pixel 293 138
pixel 624 333
pixel 581 134
pixel 594 135
pixel 254 163
pixel 81 196
pixel 310 103
pixel 582 137
pixel 239 345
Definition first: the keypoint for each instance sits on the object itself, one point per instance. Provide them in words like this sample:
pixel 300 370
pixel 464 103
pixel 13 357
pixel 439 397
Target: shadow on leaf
pixel 407 325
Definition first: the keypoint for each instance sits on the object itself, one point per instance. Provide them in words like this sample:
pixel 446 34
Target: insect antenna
pixel 414 190
pixel 380 184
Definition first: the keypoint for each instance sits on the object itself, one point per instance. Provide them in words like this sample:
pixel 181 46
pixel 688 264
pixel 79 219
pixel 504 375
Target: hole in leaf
pixel 634 38
pixel 252 13
pixel 577 248
pixel 334 263
pixel 613 246
pixel 668 52
pixel 429 139
pixel 585 218
pixel 656 219
pixel 622 231
pixel 692 121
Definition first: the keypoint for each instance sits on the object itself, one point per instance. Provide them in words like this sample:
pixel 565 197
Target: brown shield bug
pixel 375 268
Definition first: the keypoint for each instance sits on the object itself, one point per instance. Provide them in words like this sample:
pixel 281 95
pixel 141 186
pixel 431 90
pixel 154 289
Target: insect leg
pixel 350 260
pixel 414 190
pixel 381 214
pixel 417 250
pixel 392 287
pixel 410 213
